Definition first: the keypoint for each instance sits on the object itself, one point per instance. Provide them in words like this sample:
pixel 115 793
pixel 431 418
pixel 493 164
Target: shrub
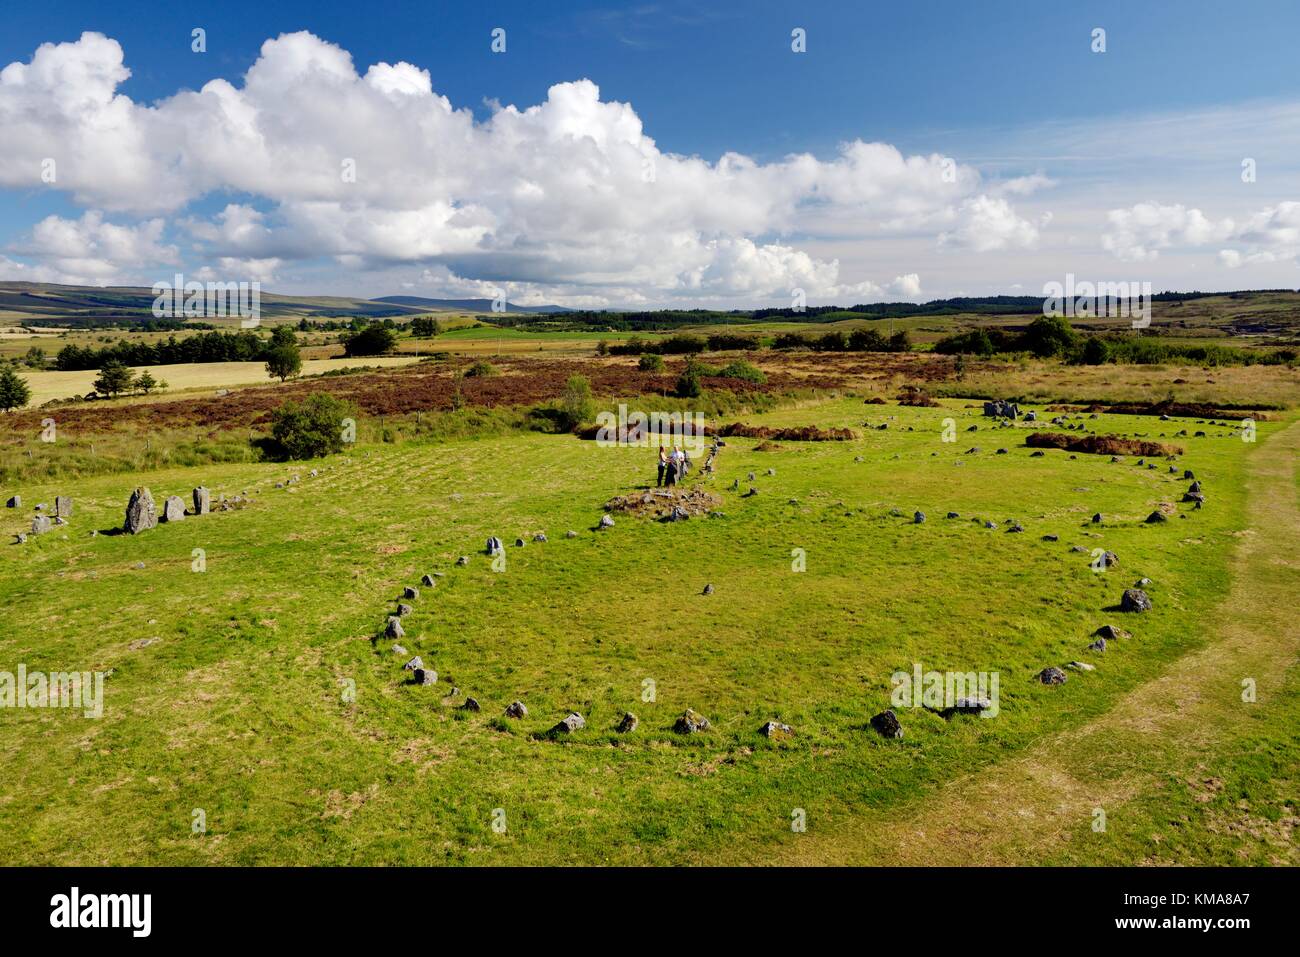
pixel 831 342
pixel 633 347
pixel 746 371
pixel 866 340
pixel 1095 351
pixel 577 407
pixel 1049 336
pixel 681 345
pixel 481 369
pixel 311 428
pixel 791 340
pixel 724 341
pixel 650 363
pixel 973 343
pixel 688 383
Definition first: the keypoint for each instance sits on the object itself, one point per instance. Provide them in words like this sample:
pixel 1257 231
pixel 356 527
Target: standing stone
pixel 607 521
pixel 493 545
pixel 15 502
pixel 40 524
pixel 423 676
pixel 628 724
pixel 708 589
pixel 415 664
pixel 410 592
pixel 394 628
pixel 471 704
pixel 63 506
pixel 173 509
pixel 202 501
pixel 140 512
pixel 516 709
pixel 403 610
pixel 918 518
pixel 426 581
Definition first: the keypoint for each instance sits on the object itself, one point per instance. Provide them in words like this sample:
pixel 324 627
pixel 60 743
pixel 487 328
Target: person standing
pixel 663 465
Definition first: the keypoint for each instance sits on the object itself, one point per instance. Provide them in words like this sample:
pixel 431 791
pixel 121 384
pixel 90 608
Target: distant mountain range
pixel 462 305
pixel 51 302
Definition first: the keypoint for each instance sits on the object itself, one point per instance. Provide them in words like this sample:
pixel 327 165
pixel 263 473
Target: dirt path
pixel 1023 810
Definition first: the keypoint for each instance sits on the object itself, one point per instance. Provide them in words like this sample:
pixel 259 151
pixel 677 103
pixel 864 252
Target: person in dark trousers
pixel 663 465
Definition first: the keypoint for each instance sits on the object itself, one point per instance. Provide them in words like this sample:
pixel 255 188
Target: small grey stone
pixel 887 725
pixel 516 709
pixel 394 628
pixel 776 731
pixel 410 592
pixel 414 664
pixel 629 723
pixel 1052 675
pixel 403 610
pixel 691 722
pixel 1135 600
pixel 570 723
pixel 607 521
pixel 427 581
pixel 1111 633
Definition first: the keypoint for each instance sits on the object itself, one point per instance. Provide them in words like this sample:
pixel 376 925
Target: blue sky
pixel 1070 160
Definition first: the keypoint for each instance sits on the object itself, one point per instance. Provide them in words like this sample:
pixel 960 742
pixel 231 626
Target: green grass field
pixel 243 708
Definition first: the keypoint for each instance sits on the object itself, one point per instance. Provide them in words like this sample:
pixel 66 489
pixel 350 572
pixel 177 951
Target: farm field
pixel 189 375
pixel 261 692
